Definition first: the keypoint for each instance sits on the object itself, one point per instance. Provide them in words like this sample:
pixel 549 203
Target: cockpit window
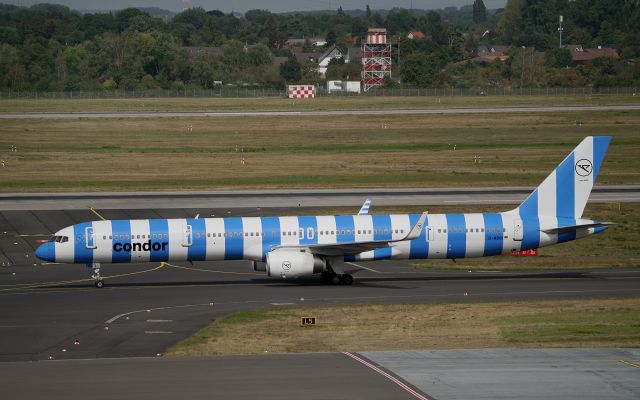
pixel 59 239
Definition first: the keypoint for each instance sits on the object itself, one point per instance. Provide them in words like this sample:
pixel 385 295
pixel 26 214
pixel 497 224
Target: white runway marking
pixel 363 267
pixel 388 376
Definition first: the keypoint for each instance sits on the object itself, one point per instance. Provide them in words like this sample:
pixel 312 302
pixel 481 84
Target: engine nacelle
pixel 293 263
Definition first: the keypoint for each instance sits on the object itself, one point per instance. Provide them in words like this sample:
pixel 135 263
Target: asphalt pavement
pixel 76 340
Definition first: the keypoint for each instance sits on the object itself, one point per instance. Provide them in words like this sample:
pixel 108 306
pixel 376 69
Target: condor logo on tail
pixel 584 167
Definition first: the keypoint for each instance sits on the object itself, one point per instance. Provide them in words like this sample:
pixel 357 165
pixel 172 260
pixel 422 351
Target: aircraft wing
pixel 335 249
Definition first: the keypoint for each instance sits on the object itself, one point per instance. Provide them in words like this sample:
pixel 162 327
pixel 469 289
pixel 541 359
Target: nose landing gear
pixel 95 267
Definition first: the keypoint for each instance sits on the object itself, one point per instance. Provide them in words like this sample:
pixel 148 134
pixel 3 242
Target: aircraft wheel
pixel 347 279
pixel 100 284
pixel 335 279
pixel 325 277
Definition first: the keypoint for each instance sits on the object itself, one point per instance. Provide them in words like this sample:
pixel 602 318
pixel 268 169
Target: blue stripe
pixel 380 224
pixel 418 247
pixel 305 223
pixel 568 235
pixel 121 228
pixel 493 232
pixel 271 238
pixel 80 252
pixel 159 227
pixel 600 145
pixel 344 224
pixel 531 222
pixel 565 188
pixel 565 196
pixel 234 242
pixel 198 249
pixel 457 237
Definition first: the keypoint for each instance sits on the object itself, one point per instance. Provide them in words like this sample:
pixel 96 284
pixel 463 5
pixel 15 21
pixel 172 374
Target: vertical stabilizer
pixel 564 193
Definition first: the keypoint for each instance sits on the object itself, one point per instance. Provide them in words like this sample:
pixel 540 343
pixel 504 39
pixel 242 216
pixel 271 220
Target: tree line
pixel 49 47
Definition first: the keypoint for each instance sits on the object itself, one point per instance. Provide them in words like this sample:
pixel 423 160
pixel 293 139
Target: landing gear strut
pixel 96 274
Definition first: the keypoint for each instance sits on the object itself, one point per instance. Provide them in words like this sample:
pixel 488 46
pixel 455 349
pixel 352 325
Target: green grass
pixel 571 328
pixel 369 327
pixel 320 103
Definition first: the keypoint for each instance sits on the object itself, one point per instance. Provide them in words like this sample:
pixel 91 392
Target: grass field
pixel 338 151
pixel 320 103
pixel 557 323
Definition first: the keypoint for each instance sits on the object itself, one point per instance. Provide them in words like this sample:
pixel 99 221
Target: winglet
pixel 364 210
pixel 417 228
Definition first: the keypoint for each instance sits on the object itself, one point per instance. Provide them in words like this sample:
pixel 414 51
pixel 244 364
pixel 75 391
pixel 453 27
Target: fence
pixel 240 92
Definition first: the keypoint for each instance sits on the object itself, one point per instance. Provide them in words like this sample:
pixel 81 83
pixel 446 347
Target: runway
pixel 293 199
pixel 288 113
pixel 88 341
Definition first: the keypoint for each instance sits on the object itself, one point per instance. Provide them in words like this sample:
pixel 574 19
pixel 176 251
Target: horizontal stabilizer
pixel 575 227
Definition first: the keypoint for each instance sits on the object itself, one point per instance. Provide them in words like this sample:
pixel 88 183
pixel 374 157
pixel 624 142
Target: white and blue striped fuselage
pixel 252 238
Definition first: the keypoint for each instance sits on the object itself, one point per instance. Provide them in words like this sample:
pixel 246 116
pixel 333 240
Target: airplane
pixel 300 246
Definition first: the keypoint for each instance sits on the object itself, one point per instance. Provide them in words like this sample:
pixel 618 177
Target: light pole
pixel 522 74
pixel 560 29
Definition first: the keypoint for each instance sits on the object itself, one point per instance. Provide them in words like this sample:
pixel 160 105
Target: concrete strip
pixel 529 374
pixel 414 111
pixel 291 198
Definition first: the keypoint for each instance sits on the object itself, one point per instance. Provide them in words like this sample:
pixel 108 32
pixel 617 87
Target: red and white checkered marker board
pixel 302 91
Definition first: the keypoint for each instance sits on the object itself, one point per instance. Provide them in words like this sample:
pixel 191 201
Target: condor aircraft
pixel 296 246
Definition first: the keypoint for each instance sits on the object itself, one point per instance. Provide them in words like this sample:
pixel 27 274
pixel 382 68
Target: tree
pixel 259 55
pixel 479 12
pixel 331 39
pixel 419 70
pixel 559 58
pixel 290 70
pixel 511 22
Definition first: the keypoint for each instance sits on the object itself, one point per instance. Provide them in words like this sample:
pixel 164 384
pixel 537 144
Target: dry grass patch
pixel 341 151
pixel 607 322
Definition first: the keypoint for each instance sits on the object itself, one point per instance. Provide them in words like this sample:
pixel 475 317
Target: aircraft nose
pixel 46 252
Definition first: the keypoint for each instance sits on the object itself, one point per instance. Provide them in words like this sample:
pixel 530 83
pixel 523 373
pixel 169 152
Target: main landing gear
pixel 96 274
pixel 335 279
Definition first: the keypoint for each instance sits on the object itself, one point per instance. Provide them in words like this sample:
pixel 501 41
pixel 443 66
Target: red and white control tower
pixel 376 58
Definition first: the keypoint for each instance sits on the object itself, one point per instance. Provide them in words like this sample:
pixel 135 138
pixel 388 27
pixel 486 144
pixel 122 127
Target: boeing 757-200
pixel 297 246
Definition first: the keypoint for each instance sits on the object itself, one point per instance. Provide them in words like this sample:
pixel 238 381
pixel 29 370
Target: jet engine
pixel 293 263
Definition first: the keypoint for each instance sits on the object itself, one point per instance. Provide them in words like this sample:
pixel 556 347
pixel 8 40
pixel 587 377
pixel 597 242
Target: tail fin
pixel 564 193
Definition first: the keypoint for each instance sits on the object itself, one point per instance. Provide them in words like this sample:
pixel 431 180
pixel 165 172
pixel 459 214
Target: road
pixel 410 111
pixel 293 199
